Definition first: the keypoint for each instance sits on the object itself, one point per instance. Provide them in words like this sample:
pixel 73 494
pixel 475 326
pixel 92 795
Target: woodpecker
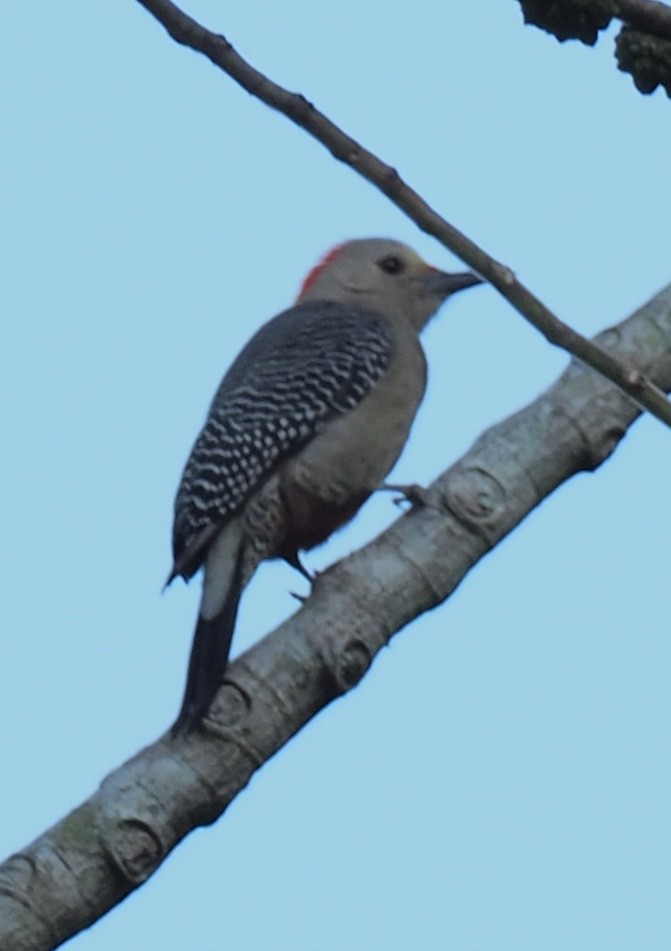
pixel 304 427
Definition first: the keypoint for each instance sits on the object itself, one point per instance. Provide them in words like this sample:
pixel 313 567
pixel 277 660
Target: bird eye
pixel 391 264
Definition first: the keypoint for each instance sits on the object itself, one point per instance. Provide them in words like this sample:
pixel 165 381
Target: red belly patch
pixel 310 520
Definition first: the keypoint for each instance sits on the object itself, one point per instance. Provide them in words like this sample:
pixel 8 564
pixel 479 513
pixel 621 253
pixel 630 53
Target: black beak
pixel 443 284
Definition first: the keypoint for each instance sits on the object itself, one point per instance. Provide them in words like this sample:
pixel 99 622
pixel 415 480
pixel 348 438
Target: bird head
pixel 386 276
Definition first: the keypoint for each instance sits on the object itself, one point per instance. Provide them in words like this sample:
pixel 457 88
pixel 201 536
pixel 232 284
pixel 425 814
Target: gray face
pixel 387 276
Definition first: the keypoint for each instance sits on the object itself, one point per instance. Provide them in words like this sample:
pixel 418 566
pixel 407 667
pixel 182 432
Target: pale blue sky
pixel 500 781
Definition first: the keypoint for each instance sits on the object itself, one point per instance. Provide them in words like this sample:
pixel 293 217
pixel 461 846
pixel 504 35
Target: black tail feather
pixel 209 658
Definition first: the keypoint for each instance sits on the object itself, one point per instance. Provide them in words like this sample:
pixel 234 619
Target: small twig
pixel 183 29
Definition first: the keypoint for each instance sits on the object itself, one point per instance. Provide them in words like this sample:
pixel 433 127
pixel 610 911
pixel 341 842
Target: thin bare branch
pixel 185 30
pixel 108 846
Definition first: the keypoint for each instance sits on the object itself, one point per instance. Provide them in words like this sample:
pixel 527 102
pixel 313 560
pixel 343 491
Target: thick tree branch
pixel 188 32
pixel 94 857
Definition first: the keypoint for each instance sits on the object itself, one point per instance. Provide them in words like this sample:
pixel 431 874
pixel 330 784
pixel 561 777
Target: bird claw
pixel 296 563
pixel 310 577
pixel 415 494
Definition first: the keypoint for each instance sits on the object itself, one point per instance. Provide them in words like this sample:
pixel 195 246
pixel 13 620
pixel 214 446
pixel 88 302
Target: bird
pixel 309 419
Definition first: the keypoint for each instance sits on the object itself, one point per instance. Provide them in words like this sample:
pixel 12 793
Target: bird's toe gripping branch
pixel 310 577
pixel 417 495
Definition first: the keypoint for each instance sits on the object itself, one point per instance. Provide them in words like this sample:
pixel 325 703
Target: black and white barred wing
pixel 309 364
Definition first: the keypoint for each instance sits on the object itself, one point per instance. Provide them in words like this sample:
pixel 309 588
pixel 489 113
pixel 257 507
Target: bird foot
pixel 416 495
pixel 310 576
pixel 312 579
pixel 296 563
